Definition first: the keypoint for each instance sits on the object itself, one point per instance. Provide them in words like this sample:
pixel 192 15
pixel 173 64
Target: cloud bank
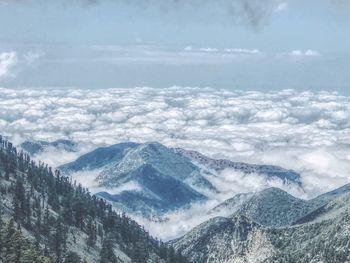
pixel 305 131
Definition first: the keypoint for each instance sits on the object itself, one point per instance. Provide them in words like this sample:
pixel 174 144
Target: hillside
pixel 151 180
pixel 47 218
pixel 162 180
pixel 224 240
pixel 289 230
pixel 274 207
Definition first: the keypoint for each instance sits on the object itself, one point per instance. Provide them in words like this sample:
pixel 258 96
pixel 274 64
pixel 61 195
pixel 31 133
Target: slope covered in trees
pixel 282 230
pixel 47 218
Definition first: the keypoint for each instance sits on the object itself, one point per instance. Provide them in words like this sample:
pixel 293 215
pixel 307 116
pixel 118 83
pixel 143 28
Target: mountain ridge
pixel 124 163
pixel 303 240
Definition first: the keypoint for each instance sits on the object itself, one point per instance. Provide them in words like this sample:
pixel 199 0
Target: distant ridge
pixel 165 179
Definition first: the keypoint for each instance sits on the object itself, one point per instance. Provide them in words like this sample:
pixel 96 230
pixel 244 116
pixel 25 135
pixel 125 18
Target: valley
pixel 158 186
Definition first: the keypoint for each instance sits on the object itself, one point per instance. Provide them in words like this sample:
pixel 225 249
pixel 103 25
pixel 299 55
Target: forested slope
pixel 47 218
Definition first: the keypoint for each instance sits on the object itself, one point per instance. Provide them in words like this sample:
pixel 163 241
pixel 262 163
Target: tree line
pixel 55 212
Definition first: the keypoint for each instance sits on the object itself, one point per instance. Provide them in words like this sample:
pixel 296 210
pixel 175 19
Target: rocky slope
pixel 289 230
pixel 221 240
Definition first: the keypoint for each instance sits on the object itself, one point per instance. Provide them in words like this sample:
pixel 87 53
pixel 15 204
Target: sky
pixel 231 44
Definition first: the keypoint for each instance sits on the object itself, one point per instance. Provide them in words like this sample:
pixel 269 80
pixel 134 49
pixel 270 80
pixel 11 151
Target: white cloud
pixel 305 131
pixel 157 54
pixel 11 61
pixel 208 49
pixel 243 50
pixel 228 184
pixel 152 53
pixel 88 179
pixel 223 51
pixel 306 53
pixel 7 61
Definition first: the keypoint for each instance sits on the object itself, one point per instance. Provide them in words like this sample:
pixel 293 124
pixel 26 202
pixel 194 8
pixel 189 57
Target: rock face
pixel 162 179
pixel 222 240
pixel 289 230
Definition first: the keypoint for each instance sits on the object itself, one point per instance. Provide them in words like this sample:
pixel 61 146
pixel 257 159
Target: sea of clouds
pixel 305 131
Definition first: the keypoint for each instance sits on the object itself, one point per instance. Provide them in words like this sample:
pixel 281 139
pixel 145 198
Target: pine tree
pixel 58 242
pixel 91 233
pixel 139 253
pixel 107 255
pixel 18 200
pixel 46 223
pixel 72 257
pixel 51 205
pixel 13 244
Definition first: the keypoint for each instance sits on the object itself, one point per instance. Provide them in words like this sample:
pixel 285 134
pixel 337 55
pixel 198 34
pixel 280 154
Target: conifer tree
pixel 91 233
pixel 47 204
pixel 107 255
pixel 72 257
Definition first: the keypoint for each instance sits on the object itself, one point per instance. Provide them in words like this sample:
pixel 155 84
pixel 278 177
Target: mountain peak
pixel 273 207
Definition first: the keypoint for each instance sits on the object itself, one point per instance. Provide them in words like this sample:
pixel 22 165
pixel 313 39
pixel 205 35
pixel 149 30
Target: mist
pixel 228 183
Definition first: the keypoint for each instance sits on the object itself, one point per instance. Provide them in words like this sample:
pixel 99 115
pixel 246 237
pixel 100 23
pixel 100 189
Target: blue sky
pixel 98 44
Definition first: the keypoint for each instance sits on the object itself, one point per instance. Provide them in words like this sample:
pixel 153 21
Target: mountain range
pixel 159 179
pixel 270 225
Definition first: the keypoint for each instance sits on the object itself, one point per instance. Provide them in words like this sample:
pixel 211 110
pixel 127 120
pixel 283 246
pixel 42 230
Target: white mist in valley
pixel 175 224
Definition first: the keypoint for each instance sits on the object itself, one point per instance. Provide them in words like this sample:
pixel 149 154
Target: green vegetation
pixel 45 217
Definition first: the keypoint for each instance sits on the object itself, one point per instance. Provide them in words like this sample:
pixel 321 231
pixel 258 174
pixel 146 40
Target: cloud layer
pixel 305 131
